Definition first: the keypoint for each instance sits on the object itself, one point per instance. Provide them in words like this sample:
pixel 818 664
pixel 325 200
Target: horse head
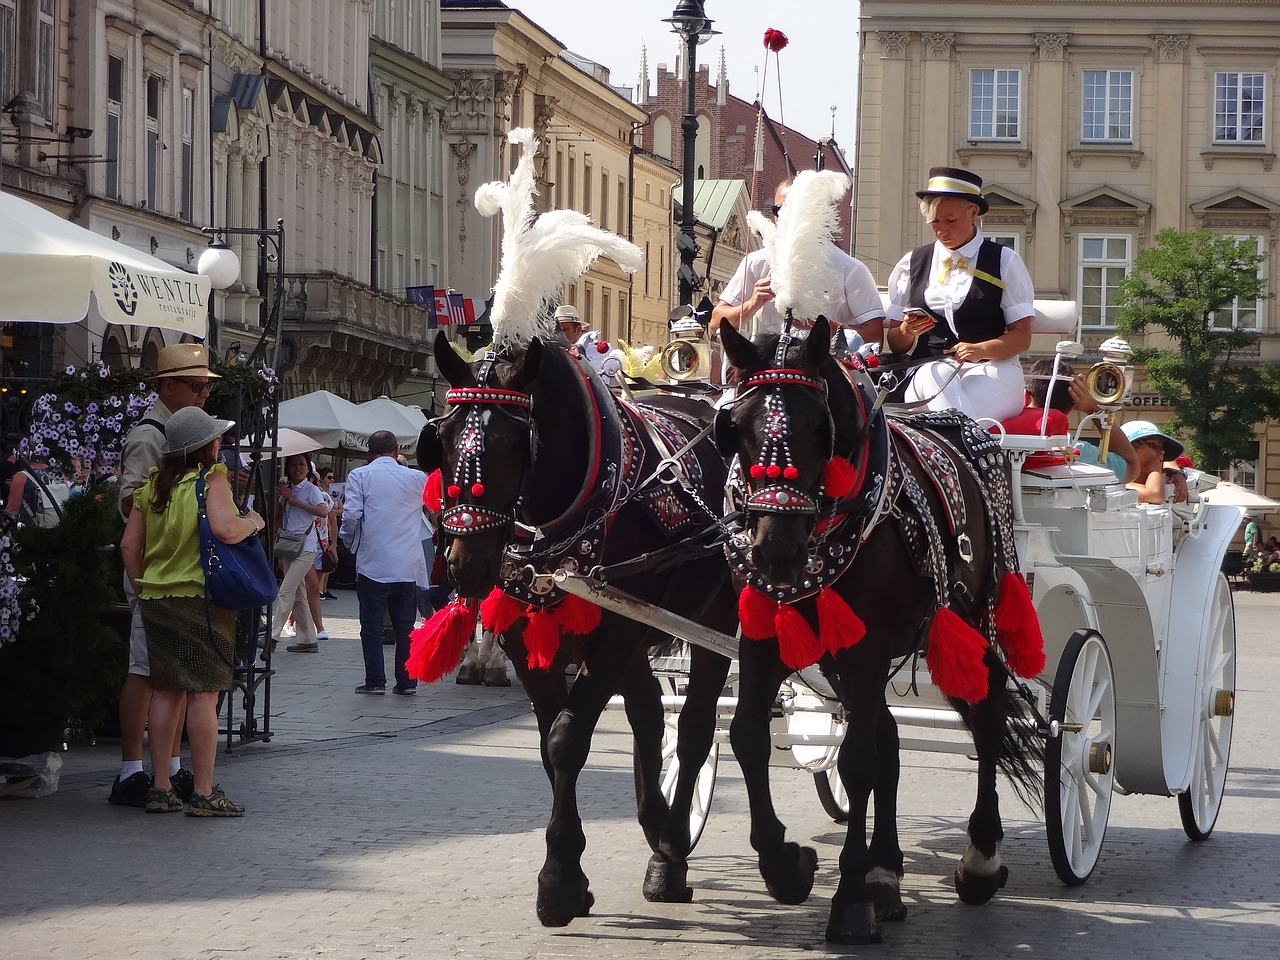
pixel 484 447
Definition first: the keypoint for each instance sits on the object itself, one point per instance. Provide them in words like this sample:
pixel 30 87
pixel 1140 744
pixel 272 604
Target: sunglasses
pixel 776 208
pixel 196 386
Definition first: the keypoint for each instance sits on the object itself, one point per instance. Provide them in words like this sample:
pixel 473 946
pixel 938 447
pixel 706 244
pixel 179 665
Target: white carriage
pixel 1138 693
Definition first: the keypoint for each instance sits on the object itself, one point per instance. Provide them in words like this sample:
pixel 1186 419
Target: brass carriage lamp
pixel 687 355
pixel 1110 382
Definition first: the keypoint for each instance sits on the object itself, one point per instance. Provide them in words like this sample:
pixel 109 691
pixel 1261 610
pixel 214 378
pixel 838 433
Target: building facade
pixel 1094 124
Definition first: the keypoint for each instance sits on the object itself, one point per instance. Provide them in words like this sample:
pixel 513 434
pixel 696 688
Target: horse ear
pixel 527 367
pixel 455 369
pixel 738 349
pixel 817 346
pixel 724 433
pixel 430 452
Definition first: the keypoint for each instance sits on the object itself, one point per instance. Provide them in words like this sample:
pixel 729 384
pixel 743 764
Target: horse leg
pixel 787 868
pixel 469 670
pixel 563 888
pixel 666 878
pixel 642 698
pixel 885 853
pixel 853 917
pixel 980 873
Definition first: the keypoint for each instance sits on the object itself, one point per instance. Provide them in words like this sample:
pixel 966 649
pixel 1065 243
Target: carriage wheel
pixel 831 794
pixel 1079 763
pixel 705 787
pixel 1200 803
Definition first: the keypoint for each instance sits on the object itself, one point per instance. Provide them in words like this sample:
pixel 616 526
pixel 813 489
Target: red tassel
pixel 437 645
pixel 837 478
pixel 499 611
pixel 1018 627
pixel 541 640
pixel 798 645
pixel 576 615
pixel 838 625
pixel 757 612
pixel 955 657
pixel 775 40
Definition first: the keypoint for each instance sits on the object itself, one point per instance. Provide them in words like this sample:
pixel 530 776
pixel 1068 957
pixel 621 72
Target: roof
pixel 713 200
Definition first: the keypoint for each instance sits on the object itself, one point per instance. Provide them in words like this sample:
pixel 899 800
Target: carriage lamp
pixel 1110 382
pixel 687 355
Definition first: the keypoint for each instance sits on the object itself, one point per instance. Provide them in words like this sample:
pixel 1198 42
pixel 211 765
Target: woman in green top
pixel 190 642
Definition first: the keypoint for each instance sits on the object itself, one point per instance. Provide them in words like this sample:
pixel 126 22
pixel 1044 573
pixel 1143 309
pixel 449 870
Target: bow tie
pixel 949 264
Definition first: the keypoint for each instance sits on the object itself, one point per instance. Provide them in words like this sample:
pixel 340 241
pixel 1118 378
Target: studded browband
pixel 465 519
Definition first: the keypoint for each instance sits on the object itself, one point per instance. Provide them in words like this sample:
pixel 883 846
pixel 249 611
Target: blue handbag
pixel 237 576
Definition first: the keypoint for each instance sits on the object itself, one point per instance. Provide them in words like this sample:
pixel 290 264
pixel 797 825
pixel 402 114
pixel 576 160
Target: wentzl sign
pixel 139 293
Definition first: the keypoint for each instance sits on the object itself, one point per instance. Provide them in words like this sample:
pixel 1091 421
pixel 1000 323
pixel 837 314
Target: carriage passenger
pixel 1156 453
pixel 962 298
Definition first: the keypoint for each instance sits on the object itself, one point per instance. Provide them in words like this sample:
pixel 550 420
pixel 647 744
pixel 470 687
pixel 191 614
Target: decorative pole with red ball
pixel 691 23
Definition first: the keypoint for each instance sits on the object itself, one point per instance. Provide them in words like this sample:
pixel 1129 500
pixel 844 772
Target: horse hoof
pixel 795 888
pixel 977 889
pixel 886 898
pixel 667 882
pixel 853 923
pixel 467 678
pixel 559 904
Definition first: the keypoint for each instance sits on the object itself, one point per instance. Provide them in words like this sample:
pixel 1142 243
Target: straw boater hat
pixel 183 360
pixel 954 182
pixel 191 429
pixel 567 313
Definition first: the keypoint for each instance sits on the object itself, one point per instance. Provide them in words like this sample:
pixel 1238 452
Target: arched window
pixel 662 136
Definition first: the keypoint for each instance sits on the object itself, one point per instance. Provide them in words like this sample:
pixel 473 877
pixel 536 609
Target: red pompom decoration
pixel 791 473
pixel 499 611
pixel 575 615
pixel 774 471
pixel 954 657
pixel 477 489
pixel 1018 627
pixel 757 612
pixel 541 640
pixel 757 471
pixel 454 491
pixel 775 40
pixel 798 645
pixel 838 625
pixel 436 646
pixel 872 361
pixel 602 346
pixel 838 477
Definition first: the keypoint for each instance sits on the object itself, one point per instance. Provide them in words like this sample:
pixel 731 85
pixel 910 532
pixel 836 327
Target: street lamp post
pixel 691 23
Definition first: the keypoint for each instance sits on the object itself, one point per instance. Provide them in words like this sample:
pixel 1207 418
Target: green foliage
pixel 1178 285
pixel 65 660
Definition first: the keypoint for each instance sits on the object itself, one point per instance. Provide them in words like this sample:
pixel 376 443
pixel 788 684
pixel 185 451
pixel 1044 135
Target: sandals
pixel 215 805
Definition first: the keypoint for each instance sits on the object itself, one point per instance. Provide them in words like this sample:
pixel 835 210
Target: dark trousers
pixel 377 600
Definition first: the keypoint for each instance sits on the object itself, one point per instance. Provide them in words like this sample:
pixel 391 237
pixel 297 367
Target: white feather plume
pixel 540 254
pixel 805 275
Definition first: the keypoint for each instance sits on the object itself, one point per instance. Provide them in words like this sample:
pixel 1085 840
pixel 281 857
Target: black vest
pixel 980 317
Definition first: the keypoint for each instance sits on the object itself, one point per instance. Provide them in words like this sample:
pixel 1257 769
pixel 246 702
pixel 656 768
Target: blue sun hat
pixel 1137 430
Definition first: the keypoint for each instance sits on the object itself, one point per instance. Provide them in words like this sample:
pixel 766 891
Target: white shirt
pixel 297 520
pixel 944 296
pixel 382 521
pixel 859 302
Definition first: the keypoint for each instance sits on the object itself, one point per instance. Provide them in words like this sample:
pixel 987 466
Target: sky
pixel 818 67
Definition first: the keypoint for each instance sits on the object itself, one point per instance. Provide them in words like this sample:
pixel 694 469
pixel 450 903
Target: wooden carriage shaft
pixel 616 601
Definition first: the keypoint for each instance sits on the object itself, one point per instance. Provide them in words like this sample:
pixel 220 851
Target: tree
pixel 1217 395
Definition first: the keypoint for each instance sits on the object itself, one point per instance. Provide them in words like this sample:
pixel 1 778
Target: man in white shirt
pixel 381 523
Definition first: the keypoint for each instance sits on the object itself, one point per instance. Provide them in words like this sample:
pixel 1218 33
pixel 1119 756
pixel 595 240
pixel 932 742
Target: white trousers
pixel 991 390
pixel 294 589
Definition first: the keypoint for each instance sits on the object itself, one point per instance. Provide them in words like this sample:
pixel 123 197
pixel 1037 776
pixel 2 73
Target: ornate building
pixel 1094 124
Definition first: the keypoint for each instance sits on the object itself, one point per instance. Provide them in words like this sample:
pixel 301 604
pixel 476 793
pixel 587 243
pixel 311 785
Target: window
pixel 995 105
pixel 604 204
pixel 1107 108
pixel 1103 262
pixel 586 188
pixel 662 271
pixel 45 51
pixel 187 199
pixel 1239 314
pixel 8 50
pixel 624 226
pixel 154 144
pixel 1239 100
pixel 605 306
pixel 1009 240
pixel 27 55
pixel 1245 470
pixel 115 96
pixel 588 299
pixel 647 259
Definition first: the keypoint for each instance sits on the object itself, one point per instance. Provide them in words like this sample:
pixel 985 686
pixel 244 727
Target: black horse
pixel 848 530
pixel 545 470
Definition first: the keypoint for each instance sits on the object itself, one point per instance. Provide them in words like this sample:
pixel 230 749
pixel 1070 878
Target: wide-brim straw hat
pixel 191 429
pixel 183 360
pixel 955 182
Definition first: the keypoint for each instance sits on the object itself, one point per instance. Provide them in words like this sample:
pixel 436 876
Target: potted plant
pixel 1264 576
pixel 61 662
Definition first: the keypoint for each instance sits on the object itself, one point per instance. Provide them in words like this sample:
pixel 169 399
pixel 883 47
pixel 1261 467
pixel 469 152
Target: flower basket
pixel 1264 581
